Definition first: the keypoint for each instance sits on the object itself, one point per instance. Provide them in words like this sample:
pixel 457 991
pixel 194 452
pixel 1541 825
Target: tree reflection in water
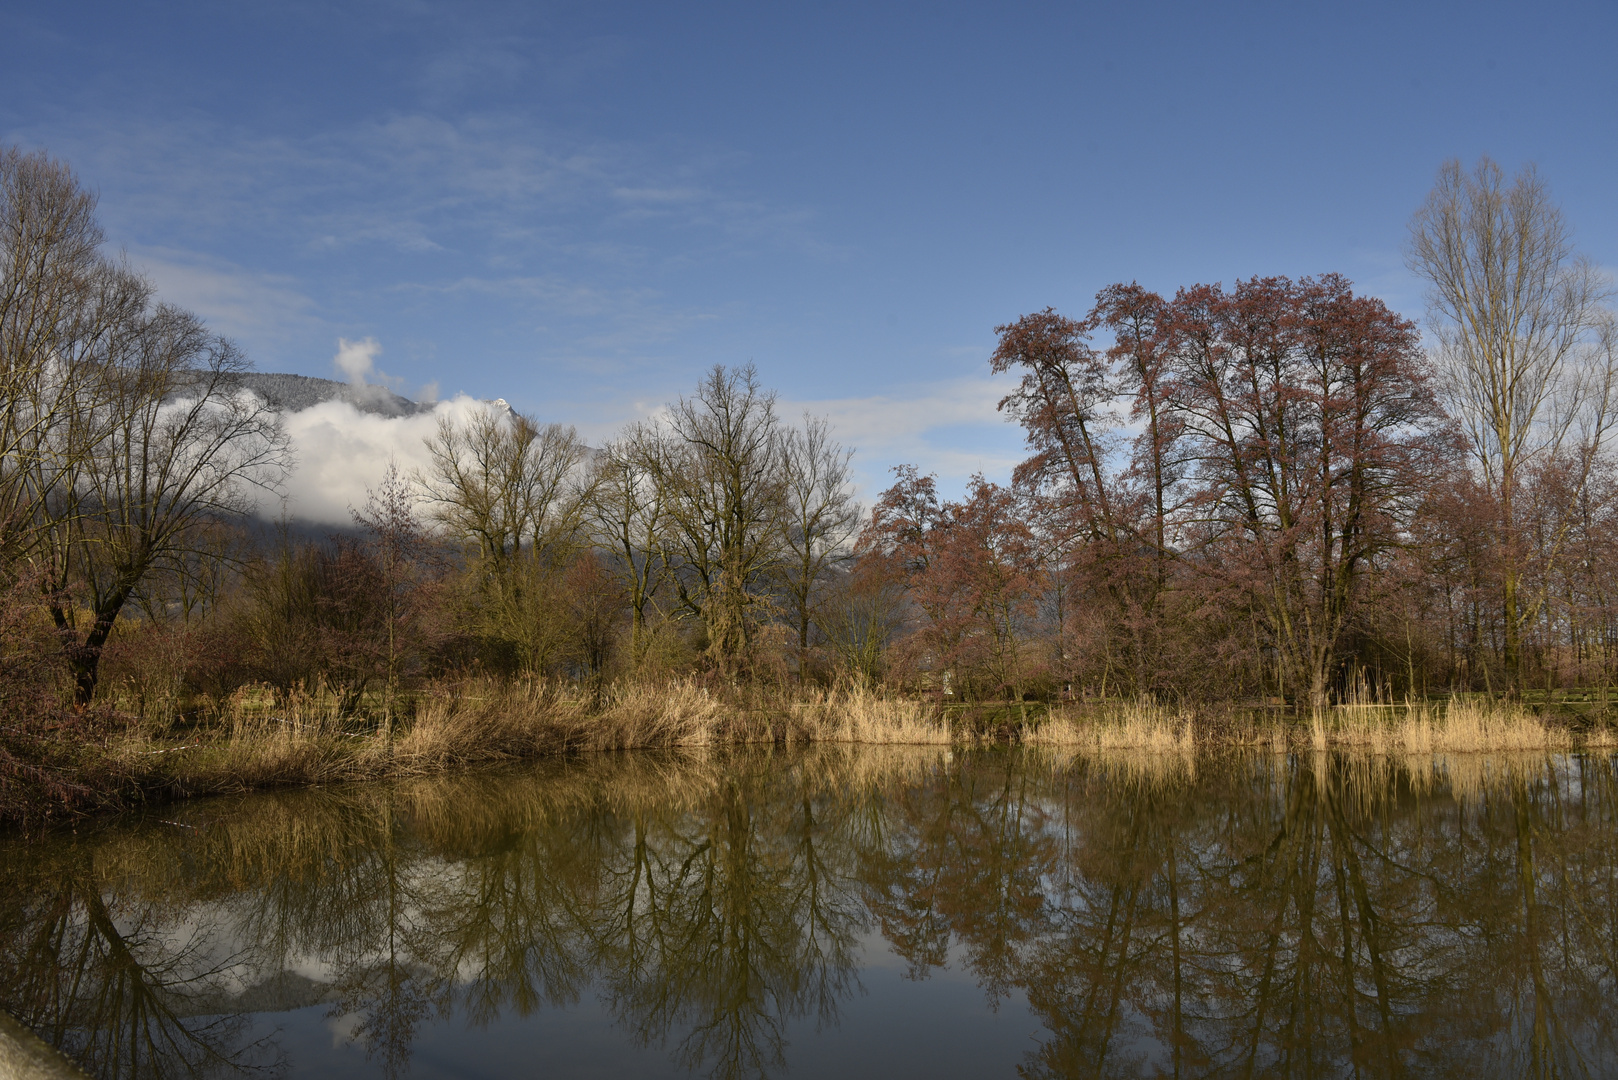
pixel 1259 916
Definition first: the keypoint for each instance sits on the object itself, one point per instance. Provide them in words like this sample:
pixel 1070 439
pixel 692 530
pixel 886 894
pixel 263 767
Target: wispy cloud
pixel 577 245
pixel 950 428
pixel 234 300
pixel 414 182
pixel 272 311
pixel 583 323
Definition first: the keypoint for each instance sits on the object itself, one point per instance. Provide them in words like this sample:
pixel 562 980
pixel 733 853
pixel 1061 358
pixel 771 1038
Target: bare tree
pixel 630 517
pixel 62 307
pixel 399 551
pixel 124 433
pixel 179 445
pixel 1524 341
pixel 513 491
pixel 861 614
pixel 722 467
pixel 819 520
pixel 506 484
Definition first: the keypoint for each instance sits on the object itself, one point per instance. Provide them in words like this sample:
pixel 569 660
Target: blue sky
pixel 580 207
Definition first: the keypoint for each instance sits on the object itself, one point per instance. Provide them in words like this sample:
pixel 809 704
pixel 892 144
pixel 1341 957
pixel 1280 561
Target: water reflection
pixel 1250 916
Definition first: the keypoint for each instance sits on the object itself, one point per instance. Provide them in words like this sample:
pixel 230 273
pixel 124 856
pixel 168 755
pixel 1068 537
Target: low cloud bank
pixel 342 448
pixel 342 453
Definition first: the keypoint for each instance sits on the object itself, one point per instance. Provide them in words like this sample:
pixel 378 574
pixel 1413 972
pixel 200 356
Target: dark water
pixel 842 913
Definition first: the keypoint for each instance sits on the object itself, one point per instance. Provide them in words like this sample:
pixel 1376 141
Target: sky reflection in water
pixel 846 912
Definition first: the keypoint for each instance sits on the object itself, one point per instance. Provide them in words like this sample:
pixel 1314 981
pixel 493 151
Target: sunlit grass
pixel 860 715
pixel 1458 726
pixel 261 739
pixel 304 738
pixel 1142 724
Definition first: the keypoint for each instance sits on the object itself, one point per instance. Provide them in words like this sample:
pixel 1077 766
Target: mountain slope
pixel 290 393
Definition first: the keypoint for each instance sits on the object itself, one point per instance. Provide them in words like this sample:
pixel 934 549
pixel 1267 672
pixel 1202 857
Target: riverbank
pixel 258 740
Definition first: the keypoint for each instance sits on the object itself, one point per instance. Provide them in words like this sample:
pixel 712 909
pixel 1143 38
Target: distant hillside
pixel 289 393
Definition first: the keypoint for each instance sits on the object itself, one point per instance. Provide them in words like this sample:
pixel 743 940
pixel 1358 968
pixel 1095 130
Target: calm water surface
pixel 842 913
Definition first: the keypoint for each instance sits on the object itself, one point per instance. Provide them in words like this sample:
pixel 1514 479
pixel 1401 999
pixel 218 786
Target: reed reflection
pixel 1255 916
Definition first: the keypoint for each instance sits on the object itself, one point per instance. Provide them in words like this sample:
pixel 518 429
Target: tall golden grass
pixel 262 740
pixel 860 715
pixel 1457 726
pixel 1138 725
pixel 1454 727
pixel 302 738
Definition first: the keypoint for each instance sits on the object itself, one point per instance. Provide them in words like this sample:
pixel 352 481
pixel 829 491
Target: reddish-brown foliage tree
pixel 1285 429
pixel 1065 404
pixel 972 571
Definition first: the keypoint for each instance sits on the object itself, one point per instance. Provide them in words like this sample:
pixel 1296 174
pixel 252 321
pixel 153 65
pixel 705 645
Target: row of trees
pixel 1268 489
pixel 1283 429
pixel 716 523
pixel 1274 489
pixel 703 540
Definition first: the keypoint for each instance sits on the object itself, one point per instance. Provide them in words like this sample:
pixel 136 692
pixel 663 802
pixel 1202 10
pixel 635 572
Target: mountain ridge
pixel 291 393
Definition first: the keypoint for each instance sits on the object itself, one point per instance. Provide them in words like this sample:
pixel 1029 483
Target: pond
pixel 846 912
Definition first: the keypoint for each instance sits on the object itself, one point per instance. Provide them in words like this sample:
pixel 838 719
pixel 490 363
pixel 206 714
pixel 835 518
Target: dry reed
pixel 1458 726
pixel 303 738
pixel 1139 725
pixel 859 715
pixel 1455 727
pixel 263 740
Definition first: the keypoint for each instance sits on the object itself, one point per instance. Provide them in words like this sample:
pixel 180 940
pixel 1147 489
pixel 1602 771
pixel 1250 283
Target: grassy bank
pixel 257 740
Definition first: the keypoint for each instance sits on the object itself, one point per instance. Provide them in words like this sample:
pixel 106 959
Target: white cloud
pixel 900 418
pixel 342 453
pixel 357 359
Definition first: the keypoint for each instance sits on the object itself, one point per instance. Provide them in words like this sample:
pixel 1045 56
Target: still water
pixel 842 913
